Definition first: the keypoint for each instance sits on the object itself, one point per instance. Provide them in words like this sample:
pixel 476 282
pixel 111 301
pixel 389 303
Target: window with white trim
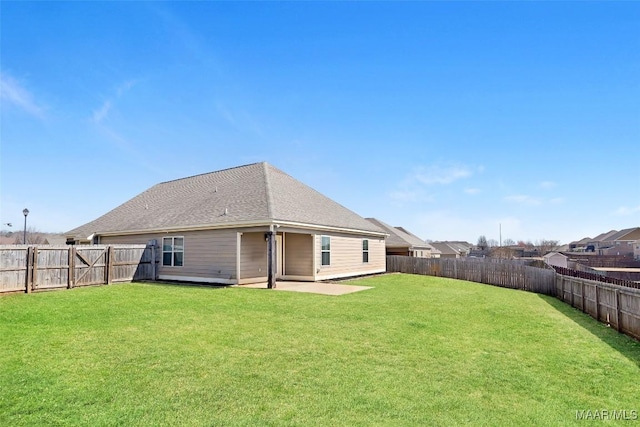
pixel 365 251
pixel 326 250
pixel 173 251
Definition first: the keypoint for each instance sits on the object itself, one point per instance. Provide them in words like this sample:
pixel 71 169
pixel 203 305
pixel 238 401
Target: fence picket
pixel 28 268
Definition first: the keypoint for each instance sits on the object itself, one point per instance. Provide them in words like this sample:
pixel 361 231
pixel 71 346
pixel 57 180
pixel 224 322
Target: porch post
pixel 238 256
pixel 271 259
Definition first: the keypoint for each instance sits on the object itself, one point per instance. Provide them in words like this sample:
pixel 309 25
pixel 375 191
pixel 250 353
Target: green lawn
pixel 413 351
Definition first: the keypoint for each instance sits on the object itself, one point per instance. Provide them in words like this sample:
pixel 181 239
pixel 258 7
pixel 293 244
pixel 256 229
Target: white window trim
pixel 172 252
pixel 365 251
pixel 322 251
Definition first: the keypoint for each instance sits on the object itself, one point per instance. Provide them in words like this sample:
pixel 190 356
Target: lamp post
pixel 25 212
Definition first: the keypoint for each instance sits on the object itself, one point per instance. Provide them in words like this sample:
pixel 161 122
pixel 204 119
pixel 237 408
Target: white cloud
pixel 527 200
pixel 226 114
pixel 13 92
pixel 472 190
pixel 438 174
pixel 627 211
pixel 523 199
pixel 100 114
pixel 547 184
pixel 413 187
pixel 125 87
pixel 410 196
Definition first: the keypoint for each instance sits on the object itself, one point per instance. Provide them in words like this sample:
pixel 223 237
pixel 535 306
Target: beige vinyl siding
pixel 419 252
pixel 253 255
pixel 346 256
pixel 298 254
pixel 208 254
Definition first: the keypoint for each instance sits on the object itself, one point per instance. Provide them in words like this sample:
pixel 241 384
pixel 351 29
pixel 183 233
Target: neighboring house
pixel 247 224
pixel 600 241
pixel 402 242
pixel 610 243
pixel 54 239
pixel 579 245
pixel 557 259
pixel 622 242
pixel 452 249
pixel 636 250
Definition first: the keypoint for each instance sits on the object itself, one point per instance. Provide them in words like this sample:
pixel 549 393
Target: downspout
pixel 271 258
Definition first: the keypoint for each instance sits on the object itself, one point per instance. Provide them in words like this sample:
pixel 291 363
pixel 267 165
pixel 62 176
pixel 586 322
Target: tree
pixel 34 237
pixel 482 243
pixel 545 246
pixel 526 244
pixel 493 243
pixel 509 242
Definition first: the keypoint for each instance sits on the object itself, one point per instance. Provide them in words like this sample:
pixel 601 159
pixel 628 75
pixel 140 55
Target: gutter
pixel 241 224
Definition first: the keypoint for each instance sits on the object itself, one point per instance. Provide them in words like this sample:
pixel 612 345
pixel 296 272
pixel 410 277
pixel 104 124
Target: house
pixel 247 224
pixel 636 250
pixel 613 242
pixel 452 249
pixel 622 242
pixel 600 241
pixel 54 239
pixel 579 245
pixel 402 242
pixel 556 259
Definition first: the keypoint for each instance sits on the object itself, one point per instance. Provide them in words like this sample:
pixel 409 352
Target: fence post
pixel 618 312
pixel 27 273
pixel 483 273
pixel 109 264
pixel 72 267
pixel 34 268
pixel 597 302
pixel 583 309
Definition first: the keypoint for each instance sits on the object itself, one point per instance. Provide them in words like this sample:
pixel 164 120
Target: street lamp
pixel 25 212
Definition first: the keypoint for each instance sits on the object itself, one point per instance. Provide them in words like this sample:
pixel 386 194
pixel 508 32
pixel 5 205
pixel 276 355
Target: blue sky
pixel 451 119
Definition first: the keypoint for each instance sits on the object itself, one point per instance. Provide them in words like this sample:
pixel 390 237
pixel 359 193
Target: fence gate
pixel 42 267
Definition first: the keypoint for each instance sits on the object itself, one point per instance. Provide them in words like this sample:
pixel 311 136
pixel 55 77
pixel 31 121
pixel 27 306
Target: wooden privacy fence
pixel 503 274
pixel 598 276
pixel 616 305
pixel 29 268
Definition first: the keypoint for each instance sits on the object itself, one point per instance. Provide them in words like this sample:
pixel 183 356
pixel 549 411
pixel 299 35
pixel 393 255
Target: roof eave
pixel 237 224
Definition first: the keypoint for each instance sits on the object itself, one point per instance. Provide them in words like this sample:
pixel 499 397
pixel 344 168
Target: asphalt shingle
pixel 258 192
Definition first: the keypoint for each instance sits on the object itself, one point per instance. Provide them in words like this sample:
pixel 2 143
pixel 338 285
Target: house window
pixel 173 251
pixel 365 251
pixel 326 250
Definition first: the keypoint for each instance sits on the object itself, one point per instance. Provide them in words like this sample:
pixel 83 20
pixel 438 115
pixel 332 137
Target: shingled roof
pixel 253 194
pixel 399 237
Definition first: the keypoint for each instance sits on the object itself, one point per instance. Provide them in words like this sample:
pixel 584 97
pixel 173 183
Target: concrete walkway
pixel 311 287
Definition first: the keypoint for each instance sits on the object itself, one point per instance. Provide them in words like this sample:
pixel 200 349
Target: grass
pixel 413 351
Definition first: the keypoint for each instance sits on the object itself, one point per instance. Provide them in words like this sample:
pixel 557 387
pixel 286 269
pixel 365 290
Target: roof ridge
pixel 267 183
pixel 209 173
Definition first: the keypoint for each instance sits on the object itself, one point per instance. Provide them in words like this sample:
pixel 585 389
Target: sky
pixel 454 120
